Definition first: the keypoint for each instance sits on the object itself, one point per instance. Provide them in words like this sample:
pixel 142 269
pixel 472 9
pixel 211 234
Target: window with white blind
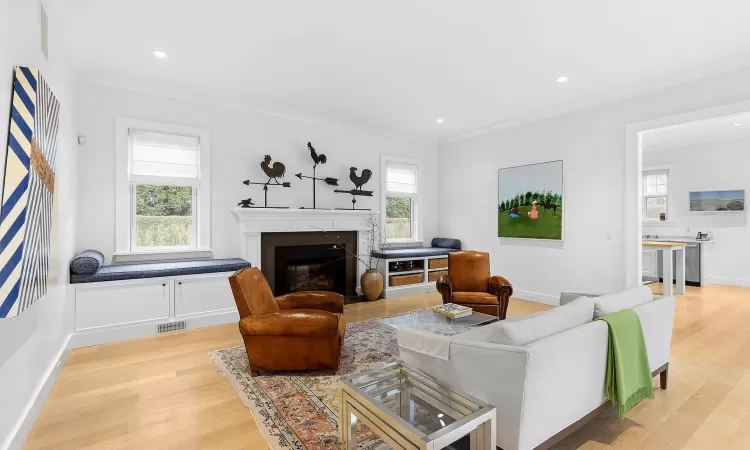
pixel 656 195
pixel 162 188
pixel 401 199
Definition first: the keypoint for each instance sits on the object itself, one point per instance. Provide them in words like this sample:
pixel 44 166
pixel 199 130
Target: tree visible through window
pixel 163 215
pixel 398 217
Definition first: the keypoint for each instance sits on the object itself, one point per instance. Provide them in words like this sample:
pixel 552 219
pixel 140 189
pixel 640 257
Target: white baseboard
pixel 537 297
pixel 741 282
pixel 39 398
pixel 86 339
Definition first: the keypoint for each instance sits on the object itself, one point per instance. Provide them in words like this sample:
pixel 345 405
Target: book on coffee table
pixel 452 310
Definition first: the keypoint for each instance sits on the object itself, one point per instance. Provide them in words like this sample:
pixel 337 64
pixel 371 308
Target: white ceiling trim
pixel 727 65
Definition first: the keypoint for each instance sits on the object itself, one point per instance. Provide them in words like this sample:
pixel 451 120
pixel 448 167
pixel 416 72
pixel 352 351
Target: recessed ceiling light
pixel 737 124
pixel 439 120
pixel 562 79
pixel 160 54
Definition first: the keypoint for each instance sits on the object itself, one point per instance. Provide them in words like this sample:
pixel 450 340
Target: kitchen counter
pixel 668 244
pixel 685 239
pixel 668 249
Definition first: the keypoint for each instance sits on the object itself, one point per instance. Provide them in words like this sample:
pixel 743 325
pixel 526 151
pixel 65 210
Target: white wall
pixel 709 167
pixel 592 144
pixel 32 342
pixel 239 140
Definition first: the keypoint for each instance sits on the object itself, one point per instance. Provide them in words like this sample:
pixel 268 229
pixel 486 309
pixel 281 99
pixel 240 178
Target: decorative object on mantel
pixel 359 181
pixel 317 159
pixel 247 203
pixel 274 172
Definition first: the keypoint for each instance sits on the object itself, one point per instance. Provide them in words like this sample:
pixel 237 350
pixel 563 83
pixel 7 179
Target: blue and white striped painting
pixel 28 193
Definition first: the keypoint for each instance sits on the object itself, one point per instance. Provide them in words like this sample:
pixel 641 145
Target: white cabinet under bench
pixel 411 275
pixel 109 311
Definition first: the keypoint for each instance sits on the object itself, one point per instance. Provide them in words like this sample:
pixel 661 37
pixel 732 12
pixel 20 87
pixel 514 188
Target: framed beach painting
pixel 530 201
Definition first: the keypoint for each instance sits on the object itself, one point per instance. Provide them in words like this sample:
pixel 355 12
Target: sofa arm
pixel 445 287
pixel 322 300
pixel 300 322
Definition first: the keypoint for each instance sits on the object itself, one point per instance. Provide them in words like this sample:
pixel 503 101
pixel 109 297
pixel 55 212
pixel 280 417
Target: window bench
pixel 127 301
pixel 409 271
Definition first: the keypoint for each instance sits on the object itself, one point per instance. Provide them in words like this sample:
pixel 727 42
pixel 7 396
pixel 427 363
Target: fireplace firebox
pixel 309 261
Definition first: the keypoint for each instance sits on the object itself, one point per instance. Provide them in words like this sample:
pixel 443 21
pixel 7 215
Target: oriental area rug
pixel 299 411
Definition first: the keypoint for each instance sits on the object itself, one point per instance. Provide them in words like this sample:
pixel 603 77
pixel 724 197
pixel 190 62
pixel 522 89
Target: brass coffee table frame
pixel 358 406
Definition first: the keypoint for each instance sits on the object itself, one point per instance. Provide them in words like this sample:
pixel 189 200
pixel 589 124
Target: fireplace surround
pixel 256 222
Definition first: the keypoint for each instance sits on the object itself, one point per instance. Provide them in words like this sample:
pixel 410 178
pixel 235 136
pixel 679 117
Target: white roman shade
pixel 401 180
pixel 655 182
pixel 159 158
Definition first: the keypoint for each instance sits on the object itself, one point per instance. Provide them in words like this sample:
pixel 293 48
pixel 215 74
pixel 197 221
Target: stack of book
pixel 452 310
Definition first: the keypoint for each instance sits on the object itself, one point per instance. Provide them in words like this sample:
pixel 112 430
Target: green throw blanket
pixel 628 376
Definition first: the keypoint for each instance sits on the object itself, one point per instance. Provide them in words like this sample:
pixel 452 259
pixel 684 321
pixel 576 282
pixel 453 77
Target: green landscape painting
pixel 530 201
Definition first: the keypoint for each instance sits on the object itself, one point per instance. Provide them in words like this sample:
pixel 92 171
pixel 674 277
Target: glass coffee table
pixel 430 321
pixel 408 409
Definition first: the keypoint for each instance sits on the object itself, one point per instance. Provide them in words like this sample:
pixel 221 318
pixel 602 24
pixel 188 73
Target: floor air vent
pixel 171 326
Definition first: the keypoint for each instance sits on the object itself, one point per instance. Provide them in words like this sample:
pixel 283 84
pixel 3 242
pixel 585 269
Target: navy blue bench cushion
pixel 393 253
pixel 161 269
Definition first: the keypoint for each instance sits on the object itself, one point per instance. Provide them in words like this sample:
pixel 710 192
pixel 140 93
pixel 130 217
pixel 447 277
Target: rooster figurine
pixel 318 159
pixel 276 171
pixel 359 180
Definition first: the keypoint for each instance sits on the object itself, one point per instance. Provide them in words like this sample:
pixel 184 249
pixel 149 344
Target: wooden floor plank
pixel 163 392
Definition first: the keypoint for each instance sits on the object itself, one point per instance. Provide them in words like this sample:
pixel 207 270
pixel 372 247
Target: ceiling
pixel 707 131
pixel 399 65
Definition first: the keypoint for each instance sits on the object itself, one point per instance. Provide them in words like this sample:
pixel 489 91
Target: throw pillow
pixel 630 298
pixel 540 325
pixel 87 262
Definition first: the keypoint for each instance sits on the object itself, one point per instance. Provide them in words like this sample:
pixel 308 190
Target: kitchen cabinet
pixel 650 264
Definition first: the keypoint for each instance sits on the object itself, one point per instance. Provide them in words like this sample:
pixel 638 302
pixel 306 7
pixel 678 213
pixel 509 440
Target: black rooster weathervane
pixel 359 181
pixel 317 159
pixel 273 172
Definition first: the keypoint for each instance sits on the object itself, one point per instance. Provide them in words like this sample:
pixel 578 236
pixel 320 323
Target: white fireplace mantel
pixel 255 221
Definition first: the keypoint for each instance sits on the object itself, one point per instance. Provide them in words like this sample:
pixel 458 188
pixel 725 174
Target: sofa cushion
pixel 630 298
pixel 541 325
pixel 446 243
pixel 87 262
pixel 482 298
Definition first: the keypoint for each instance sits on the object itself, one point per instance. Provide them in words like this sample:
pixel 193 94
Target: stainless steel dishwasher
pixel 692 264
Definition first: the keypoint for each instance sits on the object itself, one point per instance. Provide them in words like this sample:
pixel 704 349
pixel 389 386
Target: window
pixel 656 195
pixel 162 188
pixel 401 200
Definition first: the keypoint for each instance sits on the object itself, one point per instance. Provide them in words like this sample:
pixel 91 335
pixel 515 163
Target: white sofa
pixel 544 389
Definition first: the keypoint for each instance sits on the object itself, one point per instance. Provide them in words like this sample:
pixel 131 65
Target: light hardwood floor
pixel 163 392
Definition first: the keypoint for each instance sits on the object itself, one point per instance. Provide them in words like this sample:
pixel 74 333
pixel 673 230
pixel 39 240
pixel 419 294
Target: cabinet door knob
pixel 164 284
pixel 179 282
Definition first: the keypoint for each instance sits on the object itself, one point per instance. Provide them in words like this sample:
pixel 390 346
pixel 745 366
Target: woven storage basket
pixel 403 280
pixel 433 276
pixel 440 263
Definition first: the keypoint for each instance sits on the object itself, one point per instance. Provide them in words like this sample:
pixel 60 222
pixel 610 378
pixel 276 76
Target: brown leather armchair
pixel 298 331
pixel 469 283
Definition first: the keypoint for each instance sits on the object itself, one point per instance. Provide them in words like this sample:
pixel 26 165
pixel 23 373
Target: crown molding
pixel 724 66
